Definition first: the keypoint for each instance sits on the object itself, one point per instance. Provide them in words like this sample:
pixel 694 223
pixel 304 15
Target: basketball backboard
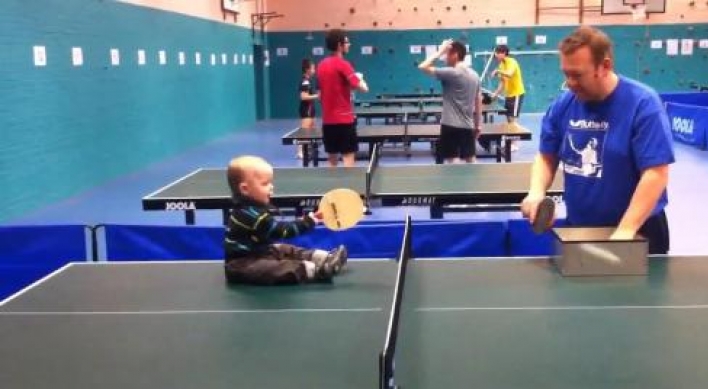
pixel 626 6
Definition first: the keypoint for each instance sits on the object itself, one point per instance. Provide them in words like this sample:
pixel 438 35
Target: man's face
pixel 451 58
pixel 345 45
pixel 583 77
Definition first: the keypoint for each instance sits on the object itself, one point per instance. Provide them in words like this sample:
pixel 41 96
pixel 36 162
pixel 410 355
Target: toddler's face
pixel 259 185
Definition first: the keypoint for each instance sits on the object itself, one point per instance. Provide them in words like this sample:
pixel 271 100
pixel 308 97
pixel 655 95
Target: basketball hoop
pixel 639 12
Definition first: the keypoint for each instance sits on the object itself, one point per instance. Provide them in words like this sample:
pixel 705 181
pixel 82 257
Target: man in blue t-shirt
pixel 612 139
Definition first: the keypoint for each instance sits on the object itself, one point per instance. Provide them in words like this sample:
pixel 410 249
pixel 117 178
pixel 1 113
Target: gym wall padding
pixel 68 128
pixel 366 240
pixel 392 67
pixel 140 243
pixel 28 253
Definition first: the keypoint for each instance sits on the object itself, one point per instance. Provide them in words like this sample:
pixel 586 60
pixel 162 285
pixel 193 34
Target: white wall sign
pixel 77 56
pixel 115 57
pixel 317 51
pixel 367 50
pixel 198 58
pixel 540 39
pixel 182 58
pixel 162 57
pixel 672 46
pixel 686 46
pixel 281 51
pixel 416 49
pixel 501 40
pixel 235 58
pixel 656 44
pixel 40 55
pixel 703 43
pixel 141 57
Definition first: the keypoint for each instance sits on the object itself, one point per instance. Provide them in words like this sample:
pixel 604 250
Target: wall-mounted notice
pixel 224 59
pixel 182 59
pixel 686 46
pixel 141 57
pixel 317 51
pixel 540 39
pixel 40 55
pixel 501 40
pixel 281 51
pixel 198 58
pixel 235 58
pixel 672 46
pixel 115 57
pixel 416 49
pixel 213 59
pixel 703 43
pixel 77 56
pixel 367 50
pixel 656 44
pixel 162 57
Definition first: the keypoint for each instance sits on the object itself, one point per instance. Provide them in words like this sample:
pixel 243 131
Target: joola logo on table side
pixel 682 126
pixel 588 125
pixel 180 206
pixel 418 200
pixel 309 202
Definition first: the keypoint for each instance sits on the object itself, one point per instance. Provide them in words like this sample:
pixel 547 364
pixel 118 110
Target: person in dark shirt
pixel 308 96
pixel 252 255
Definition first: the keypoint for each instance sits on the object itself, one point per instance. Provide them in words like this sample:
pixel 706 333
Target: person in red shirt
pixel 337 79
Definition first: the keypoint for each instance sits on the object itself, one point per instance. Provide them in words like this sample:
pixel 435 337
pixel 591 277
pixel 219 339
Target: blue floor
pixel 118 201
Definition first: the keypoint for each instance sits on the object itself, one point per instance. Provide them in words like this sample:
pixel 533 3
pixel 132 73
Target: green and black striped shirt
pixel 252 228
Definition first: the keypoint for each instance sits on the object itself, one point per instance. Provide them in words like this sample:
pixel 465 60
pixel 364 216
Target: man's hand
pixel 445 46
pixel 623 234
pixel 529 205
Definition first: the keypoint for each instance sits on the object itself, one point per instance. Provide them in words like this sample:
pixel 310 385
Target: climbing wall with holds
pixel 391 66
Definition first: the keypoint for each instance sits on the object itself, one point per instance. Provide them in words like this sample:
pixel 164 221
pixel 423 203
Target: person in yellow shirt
pixel 511 83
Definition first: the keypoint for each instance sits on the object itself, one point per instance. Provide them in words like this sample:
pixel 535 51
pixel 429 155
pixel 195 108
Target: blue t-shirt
pixel 603 147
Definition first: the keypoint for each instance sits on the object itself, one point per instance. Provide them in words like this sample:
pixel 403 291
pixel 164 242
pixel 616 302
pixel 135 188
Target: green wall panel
pixel 392 69
pixel 65 128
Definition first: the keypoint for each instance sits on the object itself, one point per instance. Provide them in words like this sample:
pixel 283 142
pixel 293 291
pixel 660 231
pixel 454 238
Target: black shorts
pixel 455 142
pixel 307 111
pixel 512 105
pixel 340 138
pixel 656 230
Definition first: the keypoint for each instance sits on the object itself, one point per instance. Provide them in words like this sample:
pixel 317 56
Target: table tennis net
pixel 387 355
pixel 373 165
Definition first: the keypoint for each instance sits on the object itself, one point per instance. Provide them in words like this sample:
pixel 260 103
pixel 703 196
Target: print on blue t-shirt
pixel 603 148
pixel 583 148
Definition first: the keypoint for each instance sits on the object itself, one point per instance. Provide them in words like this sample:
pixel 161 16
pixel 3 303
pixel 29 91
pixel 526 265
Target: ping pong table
pixel 502 323
pixel 500 136
pixel 403 113
pixel 443 188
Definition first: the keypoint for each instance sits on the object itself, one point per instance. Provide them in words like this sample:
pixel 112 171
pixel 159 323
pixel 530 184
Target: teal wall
pixel 393 69
pixel 65 129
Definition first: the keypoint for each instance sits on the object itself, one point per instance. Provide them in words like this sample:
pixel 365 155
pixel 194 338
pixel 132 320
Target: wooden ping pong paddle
pixel 544 215
pixel 341 209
